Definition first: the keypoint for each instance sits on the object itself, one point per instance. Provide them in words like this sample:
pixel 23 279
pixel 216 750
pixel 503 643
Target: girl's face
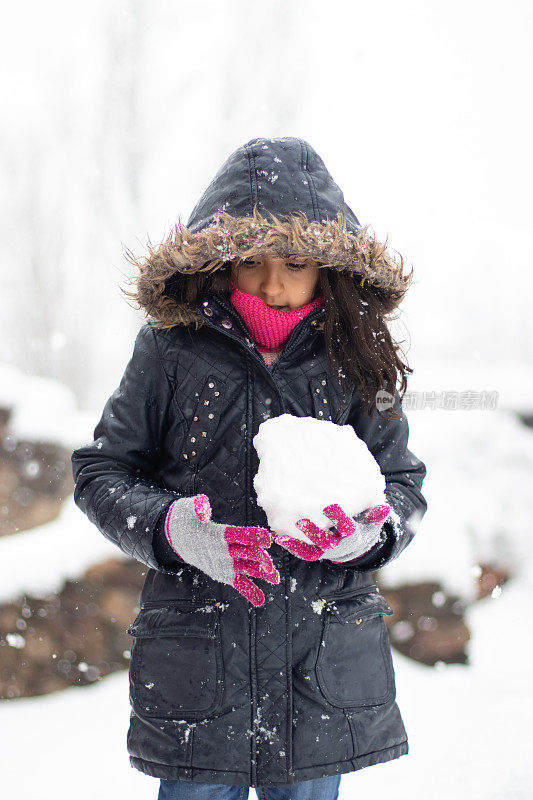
pixel 281 283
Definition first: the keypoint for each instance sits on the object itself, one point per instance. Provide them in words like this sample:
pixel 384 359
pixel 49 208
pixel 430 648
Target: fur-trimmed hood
pixel 270 195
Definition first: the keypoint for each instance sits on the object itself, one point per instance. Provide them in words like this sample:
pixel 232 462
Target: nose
pixel 271 283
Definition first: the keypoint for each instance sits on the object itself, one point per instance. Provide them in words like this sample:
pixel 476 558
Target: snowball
pixel 306 464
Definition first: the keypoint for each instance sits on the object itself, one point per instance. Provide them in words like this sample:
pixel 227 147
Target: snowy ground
pixel 469 727
pixel 51 554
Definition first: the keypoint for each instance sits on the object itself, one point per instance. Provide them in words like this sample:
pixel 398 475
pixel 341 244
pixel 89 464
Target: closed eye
pixel 247 262
pixel 293 265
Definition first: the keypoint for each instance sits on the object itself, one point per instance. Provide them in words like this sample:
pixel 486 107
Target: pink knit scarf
pixel 269 328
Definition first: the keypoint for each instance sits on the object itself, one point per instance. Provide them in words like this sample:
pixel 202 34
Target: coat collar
pixel 219 313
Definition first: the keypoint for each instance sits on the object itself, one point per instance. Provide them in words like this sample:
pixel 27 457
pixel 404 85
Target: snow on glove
pixel 353 536
pixel 227 553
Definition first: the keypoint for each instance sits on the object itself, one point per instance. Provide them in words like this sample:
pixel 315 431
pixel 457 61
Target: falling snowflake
pixel 16 640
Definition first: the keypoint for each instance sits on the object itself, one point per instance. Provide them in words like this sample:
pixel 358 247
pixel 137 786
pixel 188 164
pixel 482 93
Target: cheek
pixel 243 282
pixel 300 292
pixel 308 284
pixel 238 279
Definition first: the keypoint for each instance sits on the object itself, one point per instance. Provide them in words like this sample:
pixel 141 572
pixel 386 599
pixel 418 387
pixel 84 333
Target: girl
pixel 257 660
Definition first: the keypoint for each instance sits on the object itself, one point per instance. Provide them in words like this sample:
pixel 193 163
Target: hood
pixel 270 195
pixel 282 176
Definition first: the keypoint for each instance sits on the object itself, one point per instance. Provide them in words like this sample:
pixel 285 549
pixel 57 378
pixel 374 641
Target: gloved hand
pixel 227 553
pixel 353 536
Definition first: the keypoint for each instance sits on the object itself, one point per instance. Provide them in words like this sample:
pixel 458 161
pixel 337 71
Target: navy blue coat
pixel 302 687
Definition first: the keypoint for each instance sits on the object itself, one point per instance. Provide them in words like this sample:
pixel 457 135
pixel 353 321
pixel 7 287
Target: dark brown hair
pixel 358 342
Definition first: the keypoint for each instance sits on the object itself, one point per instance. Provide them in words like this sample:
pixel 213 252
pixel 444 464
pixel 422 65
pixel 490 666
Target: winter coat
pixel 221 692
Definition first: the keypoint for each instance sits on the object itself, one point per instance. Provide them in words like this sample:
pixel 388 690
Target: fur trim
pixel 229 238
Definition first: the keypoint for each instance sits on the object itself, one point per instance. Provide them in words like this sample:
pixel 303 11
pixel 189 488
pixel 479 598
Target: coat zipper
pixel 253 353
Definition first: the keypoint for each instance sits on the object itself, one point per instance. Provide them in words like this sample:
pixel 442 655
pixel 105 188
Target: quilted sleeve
pixel 404 474
pixel 114 484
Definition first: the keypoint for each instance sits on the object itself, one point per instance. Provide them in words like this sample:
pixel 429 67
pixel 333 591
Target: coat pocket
pixel 176 660
pixel 354 665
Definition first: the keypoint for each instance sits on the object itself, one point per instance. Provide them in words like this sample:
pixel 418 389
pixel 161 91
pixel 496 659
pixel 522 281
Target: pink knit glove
pixel 227 553
pixel 353 536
